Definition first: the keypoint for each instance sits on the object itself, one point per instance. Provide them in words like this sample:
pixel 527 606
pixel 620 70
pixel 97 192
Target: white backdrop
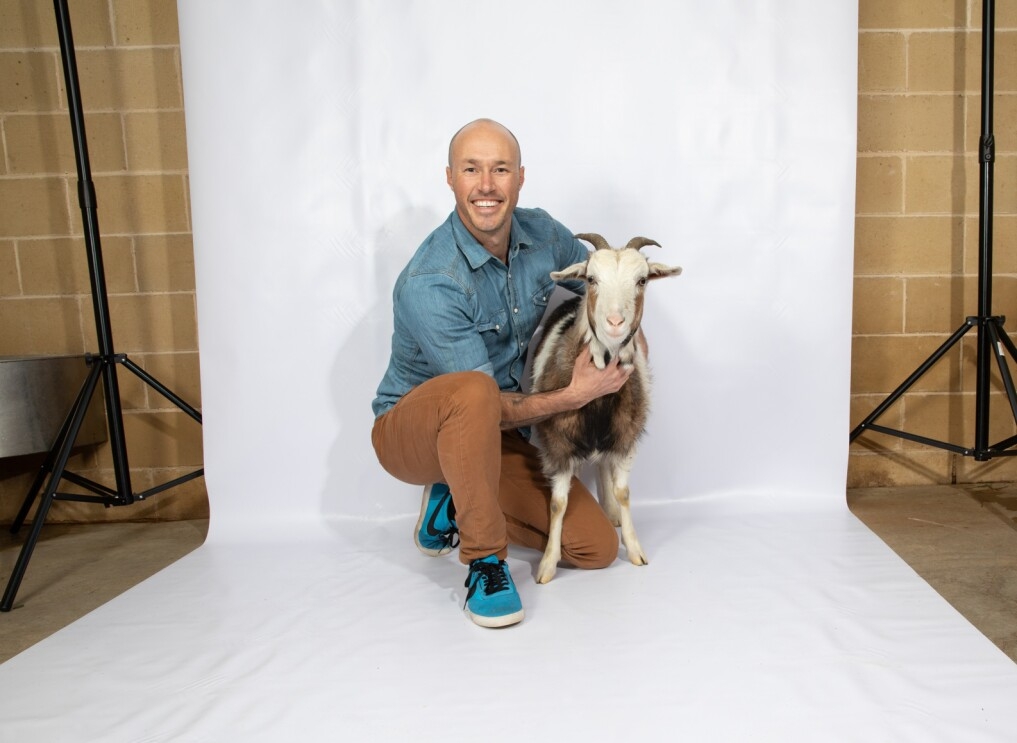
pixel 318 135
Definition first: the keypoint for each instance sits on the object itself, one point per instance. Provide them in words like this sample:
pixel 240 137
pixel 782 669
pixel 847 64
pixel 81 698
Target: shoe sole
pixel 420 523
pixel 504 620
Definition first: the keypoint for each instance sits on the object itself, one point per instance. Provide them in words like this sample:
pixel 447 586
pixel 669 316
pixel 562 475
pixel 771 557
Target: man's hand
pixel 588 382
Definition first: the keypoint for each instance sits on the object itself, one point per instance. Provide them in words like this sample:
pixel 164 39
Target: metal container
pixel 36 394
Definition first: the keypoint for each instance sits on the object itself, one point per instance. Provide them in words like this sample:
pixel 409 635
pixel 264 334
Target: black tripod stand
pixel 992 338
pixel 101 366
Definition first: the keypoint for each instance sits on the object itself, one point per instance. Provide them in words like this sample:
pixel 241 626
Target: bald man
pixel 450 413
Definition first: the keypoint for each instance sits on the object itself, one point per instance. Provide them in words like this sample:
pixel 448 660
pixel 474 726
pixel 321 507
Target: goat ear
pixel 660 271
pixel 575 271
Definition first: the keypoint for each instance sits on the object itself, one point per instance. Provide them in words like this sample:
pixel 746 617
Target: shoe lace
pixel 492 574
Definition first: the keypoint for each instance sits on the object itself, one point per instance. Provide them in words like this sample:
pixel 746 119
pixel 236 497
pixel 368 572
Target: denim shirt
pixel 458 308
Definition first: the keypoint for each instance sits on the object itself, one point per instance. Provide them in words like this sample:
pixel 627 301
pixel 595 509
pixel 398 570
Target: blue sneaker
pixel 436 533
pixel 492 600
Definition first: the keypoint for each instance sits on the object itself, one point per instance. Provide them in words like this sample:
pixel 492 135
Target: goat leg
pixel 619 475
pixel 628 531
pixel 605 492
pixel 560 484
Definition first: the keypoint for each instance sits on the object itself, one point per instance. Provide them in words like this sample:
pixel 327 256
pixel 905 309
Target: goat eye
pixel 642 281
pixel 591 281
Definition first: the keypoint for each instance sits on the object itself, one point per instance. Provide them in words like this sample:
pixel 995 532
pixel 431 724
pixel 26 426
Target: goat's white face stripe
pixel 617 281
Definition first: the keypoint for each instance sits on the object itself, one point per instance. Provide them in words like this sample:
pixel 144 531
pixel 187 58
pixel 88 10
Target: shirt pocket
pixel 542 295
pixel 493 327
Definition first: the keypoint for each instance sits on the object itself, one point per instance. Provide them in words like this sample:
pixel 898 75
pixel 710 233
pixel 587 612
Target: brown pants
pixel 448 430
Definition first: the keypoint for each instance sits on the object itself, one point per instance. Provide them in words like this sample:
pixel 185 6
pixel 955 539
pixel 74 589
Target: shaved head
pixel 486 124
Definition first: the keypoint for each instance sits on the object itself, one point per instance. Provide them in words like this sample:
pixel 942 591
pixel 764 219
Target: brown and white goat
pixel 605 430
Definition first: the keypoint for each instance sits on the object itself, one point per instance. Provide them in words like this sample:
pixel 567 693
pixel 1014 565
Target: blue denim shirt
pixel 458 308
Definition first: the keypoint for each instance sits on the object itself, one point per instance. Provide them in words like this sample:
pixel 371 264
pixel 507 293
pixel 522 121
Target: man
pixel 449 407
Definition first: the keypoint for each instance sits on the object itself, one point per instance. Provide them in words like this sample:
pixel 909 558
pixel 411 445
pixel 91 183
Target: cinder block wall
pixel 916 230
pixel 916 244
pixel 129 66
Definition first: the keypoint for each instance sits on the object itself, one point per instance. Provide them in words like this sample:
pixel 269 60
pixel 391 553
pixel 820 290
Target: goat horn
pixel 637 242
pixel 595 240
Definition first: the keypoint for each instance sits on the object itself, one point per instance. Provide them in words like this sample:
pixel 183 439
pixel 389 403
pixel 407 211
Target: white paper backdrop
pixel 318 135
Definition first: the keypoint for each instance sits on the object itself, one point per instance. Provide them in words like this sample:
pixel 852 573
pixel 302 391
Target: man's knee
pixel 597 549
pixel 476 392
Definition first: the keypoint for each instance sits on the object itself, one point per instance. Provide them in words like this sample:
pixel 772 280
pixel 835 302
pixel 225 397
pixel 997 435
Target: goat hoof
pixel 543 577
pixel 638 558
pixel 545 574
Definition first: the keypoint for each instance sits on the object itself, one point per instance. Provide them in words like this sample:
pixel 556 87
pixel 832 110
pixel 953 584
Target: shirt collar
pixel 475 253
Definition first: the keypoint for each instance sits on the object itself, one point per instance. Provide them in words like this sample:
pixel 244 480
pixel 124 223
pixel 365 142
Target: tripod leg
pixel 1007 343
pixel 47 466
pixel 1004 371
pixel 161 389
pixel 915 376
pixel 77 416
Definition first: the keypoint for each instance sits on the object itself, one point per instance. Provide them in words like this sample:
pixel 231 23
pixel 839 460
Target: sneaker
pixel 492 600
pixel 436 533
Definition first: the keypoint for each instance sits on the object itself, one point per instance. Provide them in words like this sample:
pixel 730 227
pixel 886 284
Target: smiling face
pixel 485 175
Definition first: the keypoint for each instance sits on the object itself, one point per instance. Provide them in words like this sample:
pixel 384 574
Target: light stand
pixel 102 365
pixel 992 338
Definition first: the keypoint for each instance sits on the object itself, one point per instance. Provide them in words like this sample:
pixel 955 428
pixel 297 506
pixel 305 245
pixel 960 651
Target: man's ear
pixel 448 176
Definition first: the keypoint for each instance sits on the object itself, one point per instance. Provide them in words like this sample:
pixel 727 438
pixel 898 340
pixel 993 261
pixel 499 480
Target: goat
pixel 605 430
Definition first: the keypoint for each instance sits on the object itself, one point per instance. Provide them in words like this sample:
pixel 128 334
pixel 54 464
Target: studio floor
pixel 783 608
pixel 961 539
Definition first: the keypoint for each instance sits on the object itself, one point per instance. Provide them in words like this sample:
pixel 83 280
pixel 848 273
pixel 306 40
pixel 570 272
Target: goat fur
pixel 605 430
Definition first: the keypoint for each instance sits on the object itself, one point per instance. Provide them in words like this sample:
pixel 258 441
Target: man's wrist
pixel 521 409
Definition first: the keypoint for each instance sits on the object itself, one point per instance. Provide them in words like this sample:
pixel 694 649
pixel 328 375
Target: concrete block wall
pixel 128 61
pixel 917 227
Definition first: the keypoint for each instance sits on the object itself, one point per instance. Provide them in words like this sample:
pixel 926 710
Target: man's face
pixel 485 176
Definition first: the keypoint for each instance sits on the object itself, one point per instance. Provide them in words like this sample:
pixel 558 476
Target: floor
pixel 961 539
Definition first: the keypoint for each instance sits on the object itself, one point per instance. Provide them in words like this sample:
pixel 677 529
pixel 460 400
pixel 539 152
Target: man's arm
pixel 588 383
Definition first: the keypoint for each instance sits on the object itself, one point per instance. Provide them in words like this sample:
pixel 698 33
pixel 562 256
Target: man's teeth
pixel 486 203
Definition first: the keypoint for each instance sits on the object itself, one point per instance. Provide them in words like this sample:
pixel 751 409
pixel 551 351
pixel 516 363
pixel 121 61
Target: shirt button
pixel 516 310
pixel 497 327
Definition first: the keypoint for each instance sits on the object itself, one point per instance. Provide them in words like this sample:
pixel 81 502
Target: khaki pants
pixel 447 430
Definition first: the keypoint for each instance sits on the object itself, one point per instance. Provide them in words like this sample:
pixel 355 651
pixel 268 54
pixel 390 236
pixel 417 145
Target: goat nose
pixel 616 320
